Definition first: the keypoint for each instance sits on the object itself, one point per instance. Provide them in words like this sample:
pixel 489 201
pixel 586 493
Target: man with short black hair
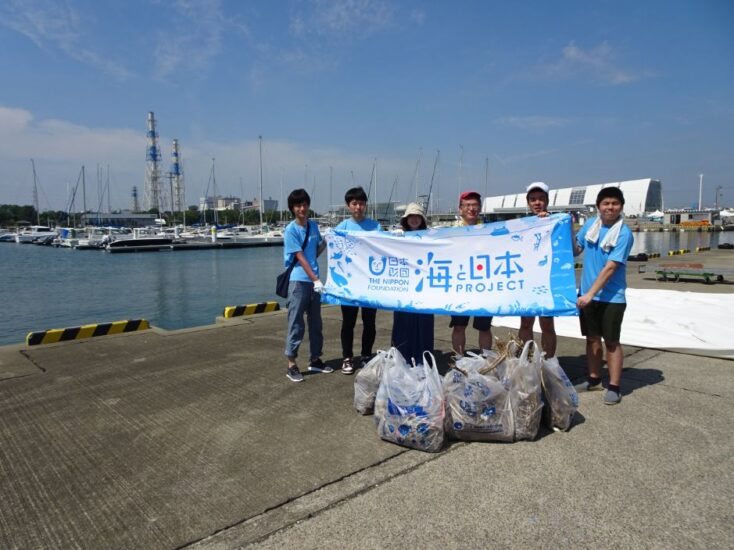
pixel 356 201
pixel 537 199
pixel 470 207
pixel 606 242
pixel 303 243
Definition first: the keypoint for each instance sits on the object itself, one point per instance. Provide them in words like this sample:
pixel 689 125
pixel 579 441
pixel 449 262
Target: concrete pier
pixel 195 438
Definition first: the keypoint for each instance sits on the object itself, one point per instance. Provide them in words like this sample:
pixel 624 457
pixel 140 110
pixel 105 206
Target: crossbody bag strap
pixel 305 243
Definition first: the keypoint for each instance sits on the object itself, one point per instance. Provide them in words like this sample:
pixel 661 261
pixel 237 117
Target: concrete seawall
pixel 195 438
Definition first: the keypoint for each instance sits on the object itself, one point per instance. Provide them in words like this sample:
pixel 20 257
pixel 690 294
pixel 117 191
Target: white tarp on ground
pixel 683 322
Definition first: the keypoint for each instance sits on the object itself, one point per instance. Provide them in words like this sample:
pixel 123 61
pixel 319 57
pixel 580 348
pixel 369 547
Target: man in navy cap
pixel 470 206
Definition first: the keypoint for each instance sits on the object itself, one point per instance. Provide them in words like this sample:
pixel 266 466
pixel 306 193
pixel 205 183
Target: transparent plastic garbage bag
pixel 409 407
pixel 478 406
pixel 561 397
pixel 367 380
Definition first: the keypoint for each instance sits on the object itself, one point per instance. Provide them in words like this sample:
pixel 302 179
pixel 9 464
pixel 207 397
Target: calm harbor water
pixel 43 287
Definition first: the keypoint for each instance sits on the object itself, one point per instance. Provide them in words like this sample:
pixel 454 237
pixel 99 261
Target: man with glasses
pixel 469 209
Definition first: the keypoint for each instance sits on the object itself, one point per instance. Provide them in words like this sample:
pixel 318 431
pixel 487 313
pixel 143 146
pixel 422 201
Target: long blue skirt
pixel 412 334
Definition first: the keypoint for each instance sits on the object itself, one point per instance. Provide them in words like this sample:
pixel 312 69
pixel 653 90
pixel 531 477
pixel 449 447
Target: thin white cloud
pixel 323 30
pixel 524 156
pixel 534 122
pixel 599 62
pixel 60 148
pixel 339 17
pixel 418 16
pixel 198 29
pixel 22 137
pixel 51 24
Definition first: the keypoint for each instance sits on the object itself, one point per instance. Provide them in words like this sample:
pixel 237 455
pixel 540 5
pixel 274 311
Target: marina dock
pixel 196 439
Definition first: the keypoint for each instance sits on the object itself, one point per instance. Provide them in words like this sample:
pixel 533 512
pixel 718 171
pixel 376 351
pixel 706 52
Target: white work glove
pixel 318 286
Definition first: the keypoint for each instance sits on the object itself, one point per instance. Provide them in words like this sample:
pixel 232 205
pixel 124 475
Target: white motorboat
pixel 142 240
pixel 34 232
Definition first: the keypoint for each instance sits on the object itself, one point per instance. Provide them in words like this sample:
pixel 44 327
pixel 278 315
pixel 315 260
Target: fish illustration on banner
pixel 522 267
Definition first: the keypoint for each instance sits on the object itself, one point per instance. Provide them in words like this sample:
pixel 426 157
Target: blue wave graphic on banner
pixel 516 267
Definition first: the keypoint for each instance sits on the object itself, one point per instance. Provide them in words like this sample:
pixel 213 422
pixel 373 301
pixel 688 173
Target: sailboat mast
pixel 260 147
pixel 429 200
pixel 35 194
pixel 215 202
pixel 374 203
pixel 331 189
pixel 486 177
pixel 461 172
pixel 84 191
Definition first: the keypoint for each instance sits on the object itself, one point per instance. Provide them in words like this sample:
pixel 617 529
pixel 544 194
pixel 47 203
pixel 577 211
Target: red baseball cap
pixel 468 195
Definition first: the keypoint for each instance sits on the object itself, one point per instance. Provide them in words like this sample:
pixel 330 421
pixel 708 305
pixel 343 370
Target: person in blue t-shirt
pixel 305 287
pixel 356 200
pixel 537 199
pixel 606 242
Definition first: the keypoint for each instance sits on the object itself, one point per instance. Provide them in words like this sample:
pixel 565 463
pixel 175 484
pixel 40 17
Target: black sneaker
pixel 365 359
pixel 294 375
pixel 319 366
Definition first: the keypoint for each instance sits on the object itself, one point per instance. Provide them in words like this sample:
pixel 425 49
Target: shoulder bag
pixel 281 283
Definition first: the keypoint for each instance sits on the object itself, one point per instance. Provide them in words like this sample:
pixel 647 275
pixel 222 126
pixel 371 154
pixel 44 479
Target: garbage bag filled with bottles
pixel 409 406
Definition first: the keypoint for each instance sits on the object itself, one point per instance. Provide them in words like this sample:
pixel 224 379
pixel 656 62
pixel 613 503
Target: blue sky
pixel 570 93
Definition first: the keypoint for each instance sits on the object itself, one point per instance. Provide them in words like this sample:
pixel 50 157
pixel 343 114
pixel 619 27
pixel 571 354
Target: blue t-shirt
pixel 367 224
pixel 595 258
pixel 293 238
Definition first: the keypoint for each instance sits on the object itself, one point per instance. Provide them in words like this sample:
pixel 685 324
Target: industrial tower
pixel 177 184
pixel 153 188
pixel 136 204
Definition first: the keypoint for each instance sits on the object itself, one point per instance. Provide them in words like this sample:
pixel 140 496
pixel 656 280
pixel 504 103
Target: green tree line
pixel 13 214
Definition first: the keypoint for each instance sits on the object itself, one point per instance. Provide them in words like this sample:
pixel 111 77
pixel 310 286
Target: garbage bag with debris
pixel 522 378
pixel 561 397
pixel 409 407
pixel 477 404
pixel 367 380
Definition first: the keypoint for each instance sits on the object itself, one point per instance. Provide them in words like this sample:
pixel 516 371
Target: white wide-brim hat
pixel 414 209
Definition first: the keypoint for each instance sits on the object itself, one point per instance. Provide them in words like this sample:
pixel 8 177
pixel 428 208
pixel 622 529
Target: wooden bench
pixel 675 275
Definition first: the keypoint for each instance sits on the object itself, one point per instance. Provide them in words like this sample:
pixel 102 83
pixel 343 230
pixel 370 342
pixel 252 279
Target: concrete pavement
pixel 195 438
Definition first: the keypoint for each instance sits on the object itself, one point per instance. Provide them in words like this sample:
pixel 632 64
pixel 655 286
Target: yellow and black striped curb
pixel 85 331
pixel 250 309
pixel 653 255
pixel 702 248
pixel 678 252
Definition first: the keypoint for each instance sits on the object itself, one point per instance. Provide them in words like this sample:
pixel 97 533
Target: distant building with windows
pixel 269 205
pixel 235 203
pixel 125 218
pixel 640 196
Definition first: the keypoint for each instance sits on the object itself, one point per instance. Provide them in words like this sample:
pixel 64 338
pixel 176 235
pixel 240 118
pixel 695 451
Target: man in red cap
pixel 470 203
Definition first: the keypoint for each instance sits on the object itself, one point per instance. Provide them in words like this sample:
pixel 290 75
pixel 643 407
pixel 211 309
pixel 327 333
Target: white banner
pixel 516 267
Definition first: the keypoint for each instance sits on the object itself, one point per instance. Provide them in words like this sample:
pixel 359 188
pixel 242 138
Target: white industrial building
pixel 640 196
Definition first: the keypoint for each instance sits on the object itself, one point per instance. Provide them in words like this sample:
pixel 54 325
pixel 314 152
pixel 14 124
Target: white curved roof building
pixel 640 196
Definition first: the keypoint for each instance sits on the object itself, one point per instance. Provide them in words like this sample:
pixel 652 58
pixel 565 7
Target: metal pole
pixel 260 147
pixel 700 191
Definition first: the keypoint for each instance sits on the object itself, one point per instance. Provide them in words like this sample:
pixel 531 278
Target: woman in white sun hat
pixel 412 333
